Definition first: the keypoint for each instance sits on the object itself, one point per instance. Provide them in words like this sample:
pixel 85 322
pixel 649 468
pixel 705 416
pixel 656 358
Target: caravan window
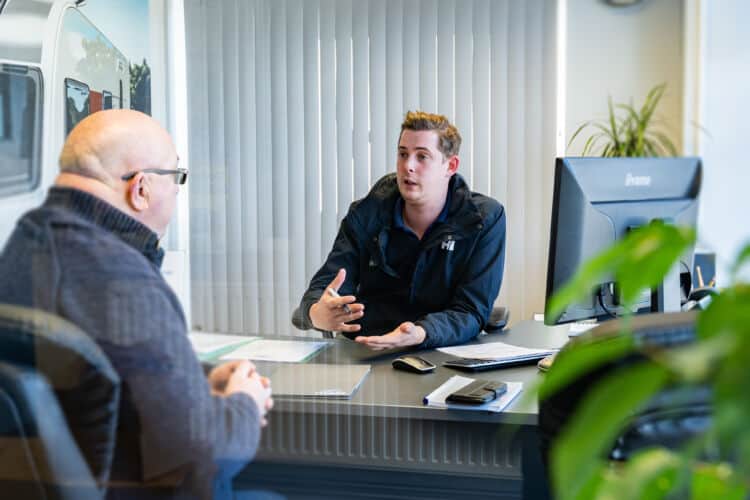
pixel 106 100
pixel 20 128
pixel 77 104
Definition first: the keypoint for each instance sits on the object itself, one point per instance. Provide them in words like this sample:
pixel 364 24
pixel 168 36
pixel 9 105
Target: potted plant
pixel 716 464
pixel 632 132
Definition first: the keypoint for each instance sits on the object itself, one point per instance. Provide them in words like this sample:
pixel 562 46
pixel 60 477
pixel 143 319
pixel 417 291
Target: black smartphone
pixel 478 392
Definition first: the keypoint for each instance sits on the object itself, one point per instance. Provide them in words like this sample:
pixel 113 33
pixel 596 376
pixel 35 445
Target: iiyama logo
pixel 637 180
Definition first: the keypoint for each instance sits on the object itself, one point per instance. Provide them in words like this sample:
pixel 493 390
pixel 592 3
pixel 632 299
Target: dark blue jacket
pixel 457 275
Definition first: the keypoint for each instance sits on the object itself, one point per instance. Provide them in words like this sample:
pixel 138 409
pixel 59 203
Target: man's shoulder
pixel 384 190
pixel 79 243
pixel 488 208
pixel 381 196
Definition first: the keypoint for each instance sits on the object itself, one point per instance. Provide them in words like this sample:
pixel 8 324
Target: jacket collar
pixel 463 215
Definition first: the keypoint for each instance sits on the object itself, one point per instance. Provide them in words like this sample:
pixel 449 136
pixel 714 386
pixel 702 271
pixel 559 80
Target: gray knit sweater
pixel 82 259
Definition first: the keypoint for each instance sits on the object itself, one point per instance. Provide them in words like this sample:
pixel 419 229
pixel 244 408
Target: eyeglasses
pixel 180 174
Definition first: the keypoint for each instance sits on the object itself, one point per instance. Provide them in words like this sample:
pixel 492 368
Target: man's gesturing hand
pixel 405 334
pixel 329 312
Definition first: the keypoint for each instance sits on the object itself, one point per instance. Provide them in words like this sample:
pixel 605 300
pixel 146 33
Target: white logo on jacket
pixel 448 245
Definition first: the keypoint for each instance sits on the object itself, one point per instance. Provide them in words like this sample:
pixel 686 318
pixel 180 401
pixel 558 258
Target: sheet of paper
pixel 579 328
pixel 493 350
pixel 437 397
pixel 289 351
pixel 206 342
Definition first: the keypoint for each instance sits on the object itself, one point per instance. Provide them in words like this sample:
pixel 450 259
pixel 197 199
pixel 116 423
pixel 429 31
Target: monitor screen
pixel 597 201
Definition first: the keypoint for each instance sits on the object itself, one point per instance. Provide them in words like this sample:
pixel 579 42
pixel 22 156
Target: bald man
pixel 91 254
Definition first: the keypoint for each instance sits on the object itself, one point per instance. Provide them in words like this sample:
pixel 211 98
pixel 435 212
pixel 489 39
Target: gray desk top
pixel 394 393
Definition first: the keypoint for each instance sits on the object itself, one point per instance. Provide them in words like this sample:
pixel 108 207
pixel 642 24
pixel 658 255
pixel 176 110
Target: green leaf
pixel 578 131
pixel 728 313
pixel 650 150
pixel 717 481
pixel 584 356
pixel 582 447
pixel 651 252
pixel 612 124
pixel 742 258
pixel 666 143
pixel 648 475
pixel 612 135
pixel 590 143
pixel 589 276
pixel 695 362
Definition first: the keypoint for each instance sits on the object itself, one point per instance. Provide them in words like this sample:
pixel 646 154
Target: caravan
pixel 56 68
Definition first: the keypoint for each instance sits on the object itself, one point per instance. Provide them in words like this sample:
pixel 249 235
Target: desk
pixel 384 442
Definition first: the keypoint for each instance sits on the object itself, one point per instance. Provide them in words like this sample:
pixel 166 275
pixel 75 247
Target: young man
pixel 91 255
pixel 419 260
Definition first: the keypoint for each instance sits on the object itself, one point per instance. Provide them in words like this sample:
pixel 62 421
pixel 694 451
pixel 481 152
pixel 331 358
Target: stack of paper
pixel 437 397
pixel 289 351
pixel 496 350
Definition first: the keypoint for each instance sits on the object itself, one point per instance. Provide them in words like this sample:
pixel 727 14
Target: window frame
pixel 32 181
pixel 107 94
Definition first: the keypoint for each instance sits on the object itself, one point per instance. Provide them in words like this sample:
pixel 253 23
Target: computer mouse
pixel 545 364
pixel 411 363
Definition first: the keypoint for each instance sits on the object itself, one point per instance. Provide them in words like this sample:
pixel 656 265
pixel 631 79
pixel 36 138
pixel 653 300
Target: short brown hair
pixel 449 140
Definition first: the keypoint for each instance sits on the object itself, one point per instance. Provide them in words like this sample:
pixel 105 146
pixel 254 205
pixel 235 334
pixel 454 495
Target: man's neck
pixel 95 188
pixel 419 218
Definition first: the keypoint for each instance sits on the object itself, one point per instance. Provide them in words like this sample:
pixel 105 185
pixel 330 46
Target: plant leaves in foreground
pixel 582 448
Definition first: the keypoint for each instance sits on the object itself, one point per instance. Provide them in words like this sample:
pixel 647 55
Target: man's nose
pixel 410 164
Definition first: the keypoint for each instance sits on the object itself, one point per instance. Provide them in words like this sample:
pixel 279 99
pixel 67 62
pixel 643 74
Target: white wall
pixel 622 52
pixel 725 115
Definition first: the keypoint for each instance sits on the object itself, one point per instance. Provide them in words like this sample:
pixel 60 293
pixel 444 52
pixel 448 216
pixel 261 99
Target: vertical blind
pixel 294 111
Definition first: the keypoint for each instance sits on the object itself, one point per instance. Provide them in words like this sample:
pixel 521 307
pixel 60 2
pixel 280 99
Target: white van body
pixel 56 67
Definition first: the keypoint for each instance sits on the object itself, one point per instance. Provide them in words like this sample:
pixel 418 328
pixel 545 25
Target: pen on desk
pixel 333 293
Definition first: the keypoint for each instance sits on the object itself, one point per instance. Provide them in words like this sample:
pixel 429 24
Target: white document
pixel 205 342
pixel 579 327
pixel 289 351
pixel 437 397
pixel 495 350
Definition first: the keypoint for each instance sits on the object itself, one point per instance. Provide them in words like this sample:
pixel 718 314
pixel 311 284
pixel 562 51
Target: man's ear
pixel 452 166
pixel 138 194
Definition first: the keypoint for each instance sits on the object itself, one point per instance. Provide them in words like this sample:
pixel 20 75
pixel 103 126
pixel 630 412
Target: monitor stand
pixel 666 296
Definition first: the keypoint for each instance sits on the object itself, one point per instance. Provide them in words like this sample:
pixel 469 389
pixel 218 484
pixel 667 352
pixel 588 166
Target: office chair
pixel 59 398
pixel 671 418
pixel 497 321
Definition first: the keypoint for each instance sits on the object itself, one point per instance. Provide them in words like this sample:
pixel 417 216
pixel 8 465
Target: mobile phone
pixel 478 392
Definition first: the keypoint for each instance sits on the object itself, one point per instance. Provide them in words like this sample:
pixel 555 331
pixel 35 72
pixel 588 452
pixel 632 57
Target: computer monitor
pixel 596 202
